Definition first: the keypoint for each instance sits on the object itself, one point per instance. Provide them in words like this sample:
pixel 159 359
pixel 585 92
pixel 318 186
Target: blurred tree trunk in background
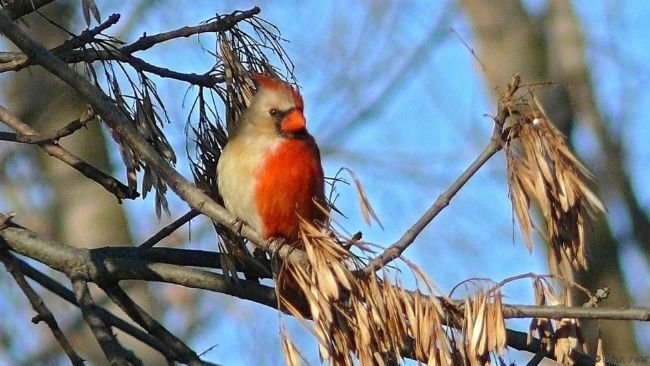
pixel 552 49
pixel 80 212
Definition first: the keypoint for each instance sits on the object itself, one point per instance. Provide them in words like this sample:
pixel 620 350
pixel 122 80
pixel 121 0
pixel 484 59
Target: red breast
pixel 289 182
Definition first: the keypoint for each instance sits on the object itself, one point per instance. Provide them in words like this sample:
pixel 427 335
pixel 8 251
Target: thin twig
pixel 15 61
pixel 169 229
pixel 184 353
pixel 124 54
pixel 221 24
pixel 396 249
pixel 113 350
pixel 109 183
pixel 108 317
pixel 496 142
pixel 44 314
pixel 52 137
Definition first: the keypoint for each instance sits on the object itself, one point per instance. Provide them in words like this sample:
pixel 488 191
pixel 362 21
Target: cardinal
pixel 269 173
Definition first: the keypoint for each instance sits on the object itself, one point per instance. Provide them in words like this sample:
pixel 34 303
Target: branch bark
pixel 113 264
pixel 115 353
pixel 54 149
pixel 44 314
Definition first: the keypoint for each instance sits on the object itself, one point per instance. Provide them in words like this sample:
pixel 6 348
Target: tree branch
pixel 125 54
pixel 109 318
pixel 113 350
pixel 169 229
pixel 53 137
pixel 15 61
pixel 113 264
pixel 109 183
pixel 44 314
pixel 396 249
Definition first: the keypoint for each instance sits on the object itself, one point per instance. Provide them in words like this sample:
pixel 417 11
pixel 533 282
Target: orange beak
pixel 293 122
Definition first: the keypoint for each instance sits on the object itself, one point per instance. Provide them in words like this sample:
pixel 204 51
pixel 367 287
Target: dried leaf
pixel 367 212
pixel 87 7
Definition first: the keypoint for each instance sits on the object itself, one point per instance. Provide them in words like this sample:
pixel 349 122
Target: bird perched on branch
pixel 270 173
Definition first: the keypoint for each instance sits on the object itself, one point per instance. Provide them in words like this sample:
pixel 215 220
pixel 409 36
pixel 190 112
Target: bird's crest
pixel 270 83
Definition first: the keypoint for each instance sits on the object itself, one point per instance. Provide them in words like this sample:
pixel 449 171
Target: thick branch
pixel 125 263
pixel 128 263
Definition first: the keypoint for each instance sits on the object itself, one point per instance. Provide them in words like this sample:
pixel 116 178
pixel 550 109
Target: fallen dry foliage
pixel 541 168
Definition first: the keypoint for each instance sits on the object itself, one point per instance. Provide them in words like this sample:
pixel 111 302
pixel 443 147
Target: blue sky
pixel 412 143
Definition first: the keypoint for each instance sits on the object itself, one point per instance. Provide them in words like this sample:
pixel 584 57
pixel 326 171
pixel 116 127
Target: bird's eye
pixel 274 111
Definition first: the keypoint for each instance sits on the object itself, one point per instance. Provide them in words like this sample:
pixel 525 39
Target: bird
pixel 270 173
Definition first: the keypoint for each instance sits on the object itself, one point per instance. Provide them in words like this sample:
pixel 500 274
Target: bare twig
pixel 562 312
pixel 219 25
pixel 53 137
pixel 113 350
pixel 125 54
pixel 109 318
pixel 44 314
pixel 182 352
pixel 168 230
pixel 496 142
pixel 109 183
pixel 15 61
pixel 396 249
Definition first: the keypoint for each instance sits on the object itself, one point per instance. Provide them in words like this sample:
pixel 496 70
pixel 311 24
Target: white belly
pixel 236 175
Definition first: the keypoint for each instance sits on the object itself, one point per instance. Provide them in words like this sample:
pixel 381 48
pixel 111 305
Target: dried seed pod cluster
pixel 541 168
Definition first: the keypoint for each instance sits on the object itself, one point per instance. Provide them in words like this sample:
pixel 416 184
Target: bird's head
pixel 276 107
